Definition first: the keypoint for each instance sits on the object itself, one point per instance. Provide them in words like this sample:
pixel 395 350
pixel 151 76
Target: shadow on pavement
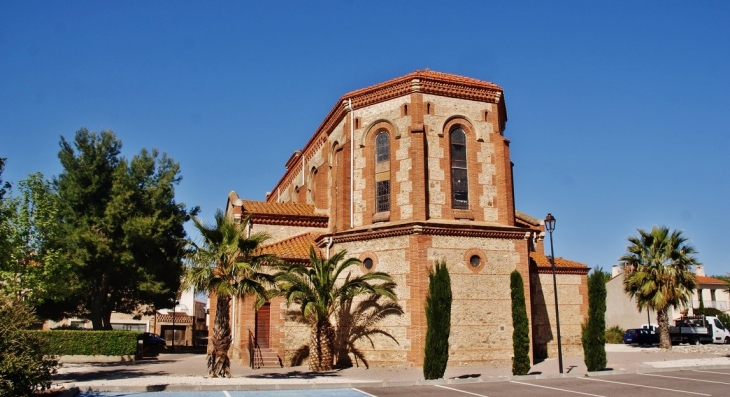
pixel 294 375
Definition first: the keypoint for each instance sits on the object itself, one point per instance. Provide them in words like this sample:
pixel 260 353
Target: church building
pixel 402 174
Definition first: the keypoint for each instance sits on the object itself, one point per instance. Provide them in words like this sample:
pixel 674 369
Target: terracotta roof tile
pixel 262 207
pixel 709 280
pixel 560 263
pixel 293 248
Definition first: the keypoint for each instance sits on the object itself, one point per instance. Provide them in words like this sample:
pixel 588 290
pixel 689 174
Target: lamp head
pixel 550 222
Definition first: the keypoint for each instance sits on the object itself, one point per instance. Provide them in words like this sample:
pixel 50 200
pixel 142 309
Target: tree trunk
pixel 219 365
pixel 665 341
pixel 321 343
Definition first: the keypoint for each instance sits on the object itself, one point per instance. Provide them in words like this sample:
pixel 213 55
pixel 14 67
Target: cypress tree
pixel 438 320
pixel 594 330
pixel 520 333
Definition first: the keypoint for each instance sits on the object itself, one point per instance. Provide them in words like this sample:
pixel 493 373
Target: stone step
pixel 267 358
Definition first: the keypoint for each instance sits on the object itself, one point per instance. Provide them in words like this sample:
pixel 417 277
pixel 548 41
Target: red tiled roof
pixel 293 248
pixel 560 263
pixel 709 280
pixel 262 207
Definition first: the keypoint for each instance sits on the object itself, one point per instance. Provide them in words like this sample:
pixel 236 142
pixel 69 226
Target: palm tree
pixel 658 273
pixel 227 265
pixel 319 289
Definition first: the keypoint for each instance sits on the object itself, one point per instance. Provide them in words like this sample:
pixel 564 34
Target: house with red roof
pixel 622 311
pixel 402 174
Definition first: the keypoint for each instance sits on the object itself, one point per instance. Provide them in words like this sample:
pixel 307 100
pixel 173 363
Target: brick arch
pixel 381 124
pixel 459 121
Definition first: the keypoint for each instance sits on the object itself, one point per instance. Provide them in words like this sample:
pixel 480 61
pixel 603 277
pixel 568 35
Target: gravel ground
pixel 189 370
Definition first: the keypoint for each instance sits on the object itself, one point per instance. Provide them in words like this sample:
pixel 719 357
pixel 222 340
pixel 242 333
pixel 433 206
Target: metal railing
pixel 719 305
pixel 256 360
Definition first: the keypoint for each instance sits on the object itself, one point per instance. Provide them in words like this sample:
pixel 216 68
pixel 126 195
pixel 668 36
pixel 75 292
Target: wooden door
pixel 263 325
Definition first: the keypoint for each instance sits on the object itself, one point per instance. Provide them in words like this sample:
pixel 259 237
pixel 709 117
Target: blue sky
pixel 618 110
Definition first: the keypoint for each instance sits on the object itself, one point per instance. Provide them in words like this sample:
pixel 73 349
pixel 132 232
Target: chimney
pixel 699 270
pixel 615 271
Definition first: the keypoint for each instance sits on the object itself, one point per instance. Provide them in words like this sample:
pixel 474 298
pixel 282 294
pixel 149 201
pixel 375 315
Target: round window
pixel 475 260
pixel 368 263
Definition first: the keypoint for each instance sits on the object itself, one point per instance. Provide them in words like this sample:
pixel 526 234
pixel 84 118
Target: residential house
pixel 622 311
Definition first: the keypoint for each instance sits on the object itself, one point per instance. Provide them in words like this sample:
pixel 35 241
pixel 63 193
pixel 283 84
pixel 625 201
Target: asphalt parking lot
pixel 699 382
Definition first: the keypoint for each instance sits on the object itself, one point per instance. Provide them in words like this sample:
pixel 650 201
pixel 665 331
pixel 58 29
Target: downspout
pixel 352 161
pixel 329 245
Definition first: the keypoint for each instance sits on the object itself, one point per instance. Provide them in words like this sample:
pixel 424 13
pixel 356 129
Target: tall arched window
pixel 459 180
pixel 382 172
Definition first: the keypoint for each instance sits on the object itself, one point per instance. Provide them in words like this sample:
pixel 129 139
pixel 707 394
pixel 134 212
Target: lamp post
pixel 174 306
pixel 550 226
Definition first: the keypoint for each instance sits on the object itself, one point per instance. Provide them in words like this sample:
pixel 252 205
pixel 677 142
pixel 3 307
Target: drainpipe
pixel 329 245
pixel 352 161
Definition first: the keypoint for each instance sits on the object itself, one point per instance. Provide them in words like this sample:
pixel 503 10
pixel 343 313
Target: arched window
pixel 382 172
pixel 459 180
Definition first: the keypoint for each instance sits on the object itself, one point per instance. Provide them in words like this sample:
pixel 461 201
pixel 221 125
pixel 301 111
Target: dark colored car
pixel 640 336
pixel 149 339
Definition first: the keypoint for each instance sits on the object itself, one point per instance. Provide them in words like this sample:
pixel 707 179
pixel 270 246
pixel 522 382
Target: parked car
pixel 149 339
pixel 640 336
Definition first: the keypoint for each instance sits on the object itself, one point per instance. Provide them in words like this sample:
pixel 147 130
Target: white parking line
pixel 696 380
pixel 711 372
pixel 367 394
pixel 555 388
pixel 648 387
pixel 462 391
pixel 226 393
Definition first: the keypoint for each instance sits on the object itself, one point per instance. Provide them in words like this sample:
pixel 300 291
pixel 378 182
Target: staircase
pixel 261 357
pixel 267 358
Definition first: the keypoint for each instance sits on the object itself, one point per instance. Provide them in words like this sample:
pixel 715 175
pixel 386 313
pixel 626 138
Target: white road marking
pixel 367 394
pixel 555 388
pixel 461 391
pixel 648 387
pixel 226 393
pixel 711 372
pixel 696 380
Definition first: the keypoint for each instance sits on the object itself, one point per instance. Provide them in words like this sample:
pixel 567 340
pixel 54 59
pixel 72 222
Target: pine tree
pixel 594 330
pixel 521 330
pixel 438 320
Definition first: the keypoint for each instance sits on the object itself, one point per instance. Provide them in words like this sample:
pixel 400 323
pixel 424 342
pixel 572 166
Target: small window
pixel 475 260
pixel 459 177
pixel 368 263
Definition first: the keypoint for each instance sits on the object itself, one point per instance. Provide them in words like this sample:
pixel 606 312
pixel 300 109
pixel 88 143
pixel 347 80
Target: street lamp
pixel 174 305
pixel 550 226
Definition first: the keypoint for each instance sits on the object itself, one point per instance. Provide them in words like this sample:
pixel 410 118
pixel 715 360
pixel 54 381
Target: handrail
pixel 256 360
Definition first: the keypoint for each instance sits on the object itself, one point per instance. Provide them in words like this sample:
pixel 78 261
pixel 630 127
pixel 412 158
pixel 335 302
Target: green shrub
pixel 90 343
pixel 707 311
pixel 438 322
pixel 615 335
pixel 594 330
pixel 521 327
pixel 25 364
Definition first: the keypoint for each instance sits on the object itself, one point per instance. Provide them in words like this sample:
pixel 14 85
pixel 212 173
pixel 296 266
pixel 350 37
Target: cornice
pixel 290 220
pixel 454 230
pixel 561 270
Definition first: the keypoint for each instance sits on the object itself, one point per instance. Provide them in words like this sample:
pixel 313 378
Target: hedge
pixel 90 343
